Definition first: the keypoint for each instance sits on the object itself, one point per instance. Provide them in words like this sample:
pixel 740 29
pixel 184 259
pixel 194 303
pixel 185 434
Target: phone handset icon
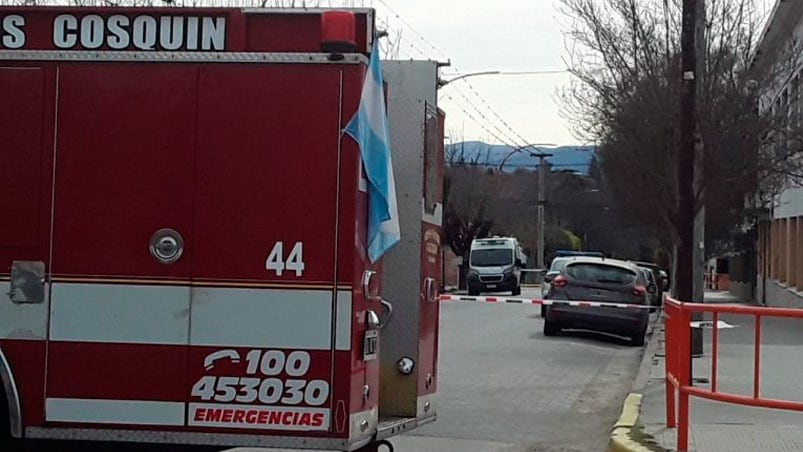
pixel 232 355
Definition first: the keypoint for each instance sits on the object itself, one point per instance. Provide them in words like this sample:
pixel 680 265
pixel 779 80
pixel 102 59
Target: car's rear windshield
pixel 558 264
pixel 493 257
pixel 600 273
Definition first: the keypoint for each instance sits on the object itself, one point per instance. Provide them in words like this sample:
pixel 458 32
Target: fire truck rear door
pixel 265 219
pixel 119 324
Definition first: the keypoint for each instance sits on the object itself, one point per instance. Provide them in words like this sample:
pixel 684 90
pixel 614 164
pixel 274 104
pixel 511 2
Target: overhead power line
pixel 412 29
pixel 510 131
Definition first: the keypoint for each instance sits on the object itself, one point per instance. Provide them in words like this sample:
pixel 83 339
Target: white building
pixel 780 242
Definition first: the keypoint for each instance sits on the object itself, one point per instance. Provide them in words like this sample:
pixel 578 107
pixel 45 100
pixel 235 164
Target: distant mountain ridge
pixel 564 158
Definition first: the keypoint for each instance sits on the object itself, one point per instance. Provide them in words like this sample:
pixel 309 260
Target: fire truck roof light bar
pixel 188 57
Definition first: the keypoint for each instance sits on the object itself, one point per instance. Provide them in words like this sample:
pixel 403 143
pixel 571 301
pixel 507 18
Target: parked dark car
pixel 655 295
pixel 554 270
pixel 664 280
pixel 603 280
pixel 560 260
pixel 657 298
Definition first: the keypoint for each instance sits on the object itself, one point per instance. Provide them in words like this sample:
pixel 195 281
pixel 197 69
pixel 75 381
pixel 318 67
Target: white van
pixel 495 266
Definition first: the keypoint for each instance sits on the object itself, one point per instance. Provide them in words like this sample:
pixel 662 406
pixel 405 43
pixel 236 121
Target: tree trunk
pixel 462 276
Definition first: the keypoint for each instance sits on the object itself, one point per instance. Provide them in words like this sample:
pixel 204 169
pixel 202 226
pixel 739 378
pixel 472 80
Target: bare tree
pixel 625 57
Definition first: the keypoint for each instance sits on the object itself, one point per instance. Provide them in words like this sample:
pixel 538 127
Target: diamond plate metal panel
pixel 411 86
pixel 402 265
pixel 187 438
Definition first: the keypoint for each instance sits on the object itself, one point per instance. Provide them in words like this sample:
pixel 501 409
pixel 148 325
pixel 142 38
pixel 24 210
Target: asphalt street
pixel 504 386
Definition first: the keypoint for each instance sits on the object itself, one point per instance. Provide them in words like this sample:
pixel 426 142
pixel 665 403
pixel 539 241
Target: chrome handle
pixel 374 321
pixel 430 290
pixel 367 275
pixel 389 313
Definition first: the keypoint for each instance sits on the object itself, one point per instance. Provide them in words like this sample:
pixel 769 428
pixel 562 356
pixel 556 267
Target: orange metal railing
pixel 677 320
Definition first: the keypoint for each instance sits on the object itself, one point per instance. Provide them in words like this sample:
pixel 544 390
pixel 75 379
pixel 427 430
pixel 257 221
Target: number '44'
pixel 294 261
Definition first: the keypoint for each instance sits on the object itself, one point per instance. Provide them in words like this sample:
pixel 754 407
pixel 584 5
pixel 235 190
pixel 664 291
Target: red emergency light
pixel 338 32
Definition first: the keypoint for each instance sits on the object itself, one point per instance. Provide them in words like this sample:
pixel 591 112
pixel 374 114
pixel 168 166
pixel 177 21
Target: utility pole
pixel 698 267
pixel 685 161
pixel 685 248
pixel 543 169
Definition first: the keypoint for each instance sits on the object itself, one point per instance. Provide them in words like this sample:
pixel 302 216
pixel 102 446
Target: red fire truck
pixel 183 235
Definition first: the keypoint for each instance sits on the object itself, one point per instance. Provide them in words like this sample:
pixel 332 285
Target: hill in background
pixel 564 158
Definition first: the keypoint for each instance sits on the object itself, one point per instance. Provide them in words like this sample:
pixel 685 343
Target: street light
pixel 541 155
pixel 474 74
pixel 442 82
pixel 521 148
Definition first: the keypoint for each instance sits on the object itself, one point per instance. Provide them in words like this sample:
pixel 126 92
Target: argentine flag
pixel 369 128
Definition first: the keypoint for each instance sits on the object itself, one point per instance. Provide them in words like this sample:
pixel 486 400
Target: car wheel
pixel 543 311
pixel 637 337
pixel 516 291
pixel 473 293
pixel 7 443
pixel 551 328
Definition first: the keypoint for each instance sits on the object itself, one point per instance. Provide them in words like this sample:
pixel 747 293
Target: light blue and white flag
pixel 369 128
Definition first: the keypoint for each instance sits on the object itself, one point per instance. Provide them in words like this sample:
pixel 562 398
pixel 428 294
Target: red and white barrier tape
pixel 538 301
pixel 518 300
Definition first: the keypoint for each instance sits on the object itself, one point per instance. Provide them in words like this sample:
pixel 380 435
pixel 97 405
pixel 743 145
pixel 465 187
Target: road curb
pixel 621 439
pixel 650 350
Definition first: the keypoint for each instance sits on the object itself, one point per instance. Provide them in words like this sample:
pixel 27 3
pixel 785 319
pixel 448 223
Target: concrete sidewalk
pixel 717 426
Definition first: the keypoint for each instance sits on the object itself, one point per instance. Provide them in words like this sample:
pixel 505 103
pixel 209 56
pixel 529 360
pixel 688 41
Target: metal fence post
pixel 684 376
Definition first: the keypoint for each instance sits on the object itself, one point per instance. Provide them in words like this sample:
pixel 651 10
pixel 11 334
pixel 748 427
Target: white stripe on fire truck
pixel 231 317
pixel 538 301
pixel 283 318
pixel 343 328
pixel 99 411
pixel 120 313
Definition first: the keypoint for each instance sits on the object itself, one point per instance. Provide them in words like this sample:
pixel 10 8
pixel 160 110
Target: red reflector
pixel 639 290
pixel 338 32
pixel 560 281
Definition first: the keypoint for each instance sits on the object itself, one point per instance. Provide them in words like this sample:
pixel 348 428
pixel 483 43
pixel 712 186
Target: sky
pixel 476 36
pixel 482 35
